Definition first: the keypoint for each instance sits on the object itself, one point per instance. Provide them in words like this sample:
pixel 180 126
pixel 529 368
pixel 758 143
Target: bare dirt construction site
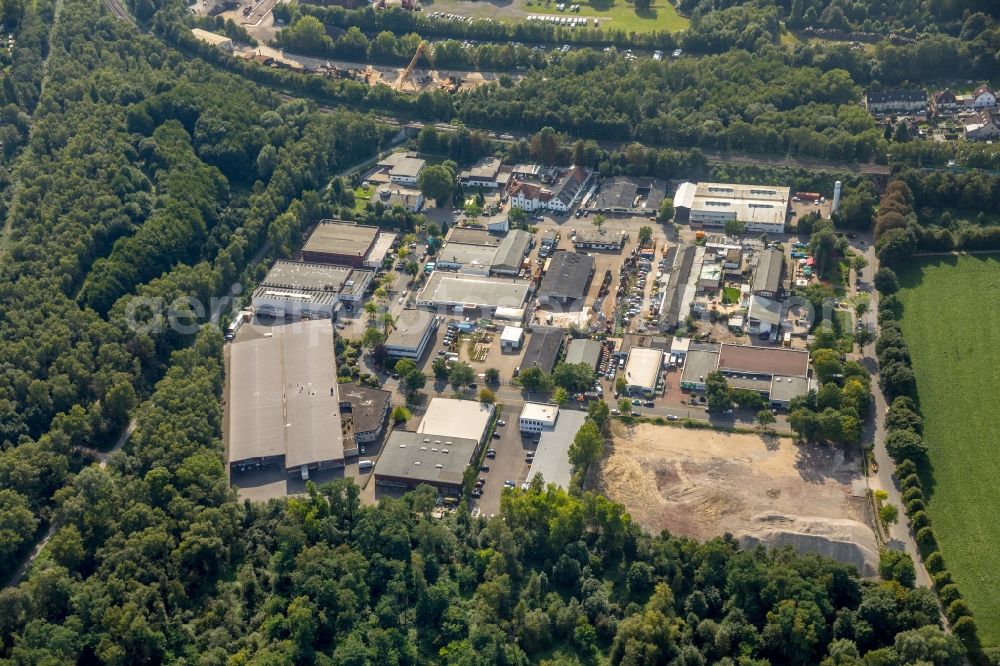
pixel 762 489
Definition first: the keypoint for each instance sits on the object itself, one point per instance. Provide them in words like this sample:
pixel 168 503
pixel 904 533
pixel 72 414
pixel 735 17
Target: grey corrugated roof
pixel 768 275
pixel 543 348
pixel 284 395
pixel 583 351
pixel 512 249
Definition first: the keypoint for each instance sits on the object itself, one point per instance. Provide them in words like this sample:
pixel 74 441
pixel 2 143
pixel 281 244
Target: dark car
pixel 484 468
pixel 496 435
pixel 649 403
pixel 491 453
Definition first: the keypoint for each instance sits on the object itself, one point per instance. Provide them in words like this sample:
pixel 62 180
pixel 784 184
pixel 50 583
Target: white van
pixel 365 464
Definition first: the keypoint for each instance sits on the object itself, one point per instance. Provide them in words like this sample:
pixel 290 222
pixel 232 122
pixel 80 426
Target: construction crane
pixel 424 49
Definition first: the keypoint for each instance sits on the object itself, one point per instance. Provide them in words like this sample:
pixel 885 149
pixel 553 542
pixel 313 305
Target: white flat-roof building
pixel 642 370
pixel 536 416
pixel 511 338
pixel 762 208
pixel 411 334
pixel 464 419
pixel 377 255
pixel 284 399
pixel 461 292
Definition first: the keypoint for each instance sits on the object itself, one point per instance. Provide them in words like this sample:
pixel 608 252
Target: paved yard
pixel 509 463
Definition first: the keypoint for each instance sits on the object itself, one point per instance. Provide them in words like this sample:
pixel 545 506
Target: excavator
pixel 423 49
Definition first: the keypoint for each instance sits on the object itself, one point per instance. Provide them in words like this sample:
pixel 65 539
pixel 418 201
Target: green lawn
pixel 953 329
pixel 730 295
pixel 661 16
pixel 362 195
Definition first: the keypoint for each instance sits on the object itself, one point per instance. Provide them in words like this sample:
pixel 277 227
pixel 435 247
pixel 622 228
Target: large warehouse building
pixel 299 289
pixel 284 400
pixel 343 243
pixel 762 208
pixel 472 292
pixel 448 440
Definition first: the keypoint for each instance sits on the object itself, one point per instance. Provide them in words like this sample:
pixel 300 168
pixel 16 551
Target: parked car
pixel 636 402
pixel 672 417
pixel 501 422
pixel 649 403
pixel 491 453
pixel 496 435
pixel 484 468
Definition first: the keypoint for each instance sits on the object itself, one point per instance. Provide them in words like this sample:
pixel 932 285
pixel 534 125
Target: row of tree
pixel 307 35
pixel 904 427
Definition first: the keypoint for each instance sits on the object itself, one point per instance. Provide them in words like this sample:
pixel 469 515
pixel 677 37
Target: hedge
pixel 912 494
pixel 913 506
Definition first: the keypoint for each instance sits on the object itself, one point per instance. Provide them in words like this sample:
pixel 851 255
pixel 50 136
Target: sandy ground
pixel 703 483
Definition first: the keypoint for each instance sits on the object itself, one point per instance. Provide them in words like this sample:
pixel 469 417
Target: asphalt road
pixel 900 535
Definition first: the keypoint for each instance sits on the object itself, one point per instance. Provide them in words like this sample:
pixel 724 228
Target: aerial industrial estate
pixel 635 332
pixel 650 311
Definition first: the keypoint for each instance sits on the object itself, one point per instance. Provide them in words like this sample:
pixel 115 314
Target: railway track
pixel 116 8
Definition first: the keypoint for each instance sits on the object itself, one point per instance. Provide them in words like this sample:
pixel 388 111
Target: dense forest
pixel 146 174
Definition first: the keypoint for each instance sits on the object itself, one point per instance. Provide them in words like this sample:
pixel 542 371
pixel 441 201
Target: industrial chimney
pixel 836 198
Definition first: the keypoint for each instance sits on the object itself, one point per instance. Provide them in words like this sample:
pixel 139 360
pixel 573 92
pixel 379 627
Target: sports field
pixel 619 14
pixel 952 326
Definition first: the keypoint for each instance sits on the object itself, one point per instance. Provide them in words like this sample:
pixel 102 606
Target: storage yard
pixel 704 483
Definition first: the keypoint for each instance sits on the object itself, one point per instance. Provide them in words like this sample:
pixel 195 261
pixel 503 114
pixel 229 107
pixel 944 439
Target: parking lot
pixel 509 464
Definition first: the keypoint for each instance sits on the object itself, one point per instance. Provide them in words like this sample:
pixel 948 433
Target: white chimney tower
pixel 836 198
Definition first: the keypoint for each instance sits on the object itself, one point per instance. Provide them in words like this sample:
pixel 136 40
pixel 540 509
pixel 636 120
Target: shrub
pixel 925 538
pixel 905 468
pixel 920 520
pixel 965 629
pixel 942 579
pixel 905 444
pixel 948 593
pixel 934 562
pixel 912 494
pixel 886 281
pixel 956 609
pixel 911 481
pixel 898 566
pixel 915 505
